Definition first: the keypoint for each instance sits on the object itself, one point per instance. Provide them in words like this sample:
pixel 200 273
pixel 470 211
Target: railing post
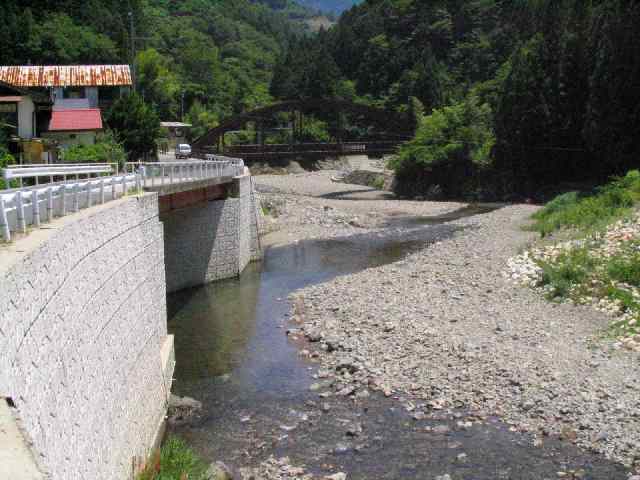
pixel 89 199
pixel 76 197
pixel 35 207
pixel 162 175
pixel 143 172
pixel 138 183
pixel 124 185
pixel 49 204
pixel 102 190
pixel 151 174
pixel 63 200
pixel 171 168
pixel 4 222
pixel 22 224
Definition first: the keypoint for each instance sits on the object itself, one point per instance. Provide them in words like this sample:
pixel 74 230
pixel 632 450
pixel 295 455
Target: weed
pixel 590 211
pixel 378 183
pixel 175 462
pixel 567 273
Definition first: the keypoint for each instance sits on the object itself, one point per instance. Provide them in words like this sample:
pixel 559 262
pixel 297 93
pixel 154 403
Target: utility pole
pixel 182 107
pixel 132 36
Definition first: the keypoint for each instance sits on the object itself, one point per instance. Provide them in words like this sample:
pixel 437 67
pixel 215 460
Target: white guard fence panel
pixel 24 207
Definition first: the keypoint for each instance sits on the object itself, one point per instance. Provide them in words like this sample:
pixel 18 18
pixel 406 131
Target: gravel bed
pixel 446 328
pixel 311 205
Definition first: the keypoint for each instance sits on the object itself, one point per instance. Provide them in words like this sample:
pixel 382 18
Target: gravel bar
pixel 445 326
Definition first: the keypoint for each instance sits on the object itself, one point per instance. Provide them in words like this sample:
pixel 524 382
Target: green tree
pixel 135 125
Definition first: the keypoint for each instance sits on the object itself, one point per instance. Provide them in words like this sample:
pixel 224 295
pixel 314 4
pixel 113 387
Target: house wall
pixel 26 128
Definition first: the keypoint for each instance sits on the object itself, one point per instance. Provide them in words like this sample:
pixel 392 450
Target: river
pixel 233 354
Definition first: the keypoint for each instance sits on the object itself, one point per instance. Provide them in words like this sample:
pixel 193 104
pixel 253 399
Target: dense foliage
pixel 556 80
pixel 136 126
pixel 107 149
pixel 200 60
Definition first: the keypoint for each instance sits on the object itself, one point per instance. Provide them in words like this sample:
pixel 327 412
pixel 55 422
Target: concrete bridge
pixel 86 363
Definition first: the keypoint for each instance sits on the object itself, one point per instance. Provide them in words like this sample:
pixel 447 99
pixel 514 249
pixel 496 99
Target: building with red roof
pixel 62 104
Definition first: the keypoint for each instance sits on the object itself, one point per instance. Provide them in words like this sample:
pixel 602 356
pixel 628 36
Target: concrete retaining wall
pixel 84 351
pixel 212 240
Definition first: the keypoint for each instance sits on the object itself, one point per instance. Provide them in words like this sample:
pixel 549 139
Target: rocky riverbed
pixel 445 329
pixel 410 354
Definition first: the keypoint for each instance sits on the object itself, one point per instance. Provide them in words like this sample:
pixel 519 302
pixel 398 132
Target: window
pixel 75 92
pixel 9 117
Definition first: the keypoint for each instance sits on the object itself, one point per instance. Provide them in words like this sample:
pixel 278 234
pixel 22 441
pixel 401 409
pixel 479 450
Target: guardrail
pixel 155 174
pixel 22 207
pixel 61 171
pixel 31 206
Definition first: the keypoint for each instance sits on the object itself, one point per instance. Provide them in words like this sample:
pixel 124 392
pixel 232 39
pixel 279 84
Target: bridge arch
pixel 385 130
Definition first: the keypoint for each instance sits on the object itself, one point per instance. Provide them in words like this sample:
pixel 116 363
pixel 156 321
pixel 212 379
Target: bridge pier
pixel 210 233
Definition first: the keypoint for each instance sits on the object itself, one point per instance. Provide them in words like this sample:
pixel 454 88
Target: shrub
pixel 453 142
pixel 106 150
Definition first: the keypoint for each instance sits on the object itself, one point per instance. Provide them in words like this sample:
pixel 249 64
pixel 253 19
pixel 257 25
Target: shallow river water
pixel 233 355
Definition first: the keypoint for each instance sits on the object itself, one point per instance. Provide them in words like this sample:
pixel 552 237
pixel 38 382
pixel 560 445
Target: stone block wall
pixel 211 240
pixel 83 340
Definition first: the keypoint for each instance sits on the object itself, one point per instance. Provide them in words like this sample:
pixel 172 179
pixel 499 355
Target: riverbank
pixel 445 328
pixel 395 360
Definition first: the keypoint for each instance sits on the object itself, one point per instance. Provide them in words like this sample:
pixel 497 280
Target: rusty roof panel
pixel 66 75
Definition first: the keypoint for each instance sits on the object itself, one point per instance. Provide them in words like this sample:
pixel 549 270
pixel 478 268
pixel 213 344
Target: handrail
pixel 50 171
pixel 157 174
pixel 22 207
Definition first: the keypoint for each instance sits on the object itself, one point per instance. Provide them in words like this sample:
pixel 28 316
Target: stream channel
pixel 234 356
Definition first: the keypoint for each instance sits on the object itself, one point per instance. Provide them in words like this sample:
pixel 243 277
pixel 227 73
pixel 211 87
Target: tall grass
pixel 592 210
pixel 176 461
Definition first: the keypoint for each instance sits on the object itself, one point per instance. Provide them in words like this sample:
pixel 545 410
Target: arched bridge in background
pixel 355 129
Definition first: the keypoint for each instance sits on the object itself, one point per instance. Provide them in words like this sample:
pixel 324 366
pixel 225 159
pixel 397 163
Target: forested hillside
pixel 216 55
pixel 515 95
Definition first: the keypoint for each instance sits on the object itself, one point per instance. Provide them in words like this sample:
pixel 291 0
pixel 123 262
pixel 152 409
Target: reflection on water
pixel 231 326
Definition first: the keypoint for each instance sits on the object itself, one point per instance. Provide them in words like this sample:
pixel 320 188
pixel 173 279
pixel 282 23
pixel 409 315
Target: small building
pixel 175 132
pixel 61 104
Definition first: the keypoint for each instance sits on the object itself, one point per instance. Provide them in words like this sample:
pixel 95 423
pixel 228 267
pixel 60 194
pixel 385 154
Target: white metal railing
pixel 157 174
pixel 60 171
pixel 30 206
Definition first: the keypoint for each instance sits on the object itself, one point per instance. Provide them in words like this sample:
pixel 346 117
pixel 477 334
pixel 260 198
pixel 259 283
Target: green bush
pixel 457 132
pixel 177 462
pixel 106 150
pixel 595 210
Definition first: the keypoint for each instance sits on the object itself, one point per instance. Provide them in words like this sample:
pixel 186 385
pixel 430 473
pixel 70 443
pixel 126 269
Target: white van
pixel 183 150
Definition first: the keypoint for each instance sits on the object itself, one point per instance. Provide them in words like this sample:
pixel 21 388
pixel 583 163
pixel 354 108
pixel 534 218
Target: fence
pixel 31 206
pixel 156 174
pixel 51 172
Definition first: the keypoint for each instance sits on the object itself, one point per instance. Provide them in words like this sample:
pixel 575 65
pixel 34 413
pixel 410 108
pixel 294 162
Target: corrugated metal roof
pixel 75 120
pixel 10 98
pixel 66 75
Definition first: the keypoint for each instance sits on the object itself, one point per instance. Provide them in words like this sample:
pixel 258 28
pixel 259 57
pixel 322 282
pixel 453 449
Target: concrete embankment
pixel 86 363
pixel 86 359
